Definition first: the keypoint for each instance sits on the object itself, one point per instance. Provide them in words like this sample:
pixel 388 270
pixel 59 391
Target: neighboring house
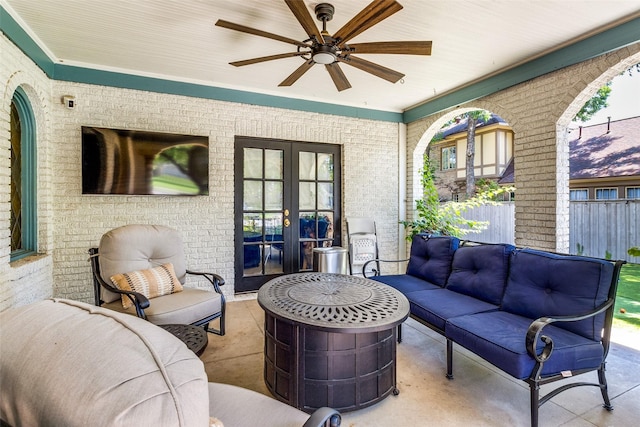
pixel 493 155
pixel 604 158
pixel 605 161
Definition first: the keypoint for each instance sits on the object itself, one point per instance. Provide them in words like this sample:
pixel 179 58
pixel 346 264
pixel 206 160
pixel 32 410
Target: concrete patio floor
pixel 480 394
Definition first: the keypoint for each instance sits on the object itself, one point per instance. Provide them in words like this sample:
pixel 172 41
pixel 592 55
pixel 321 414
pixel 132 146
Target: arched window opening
pixel 23 177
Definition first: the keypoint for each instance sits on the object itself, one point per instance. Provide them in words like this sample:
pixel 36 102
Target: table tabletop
pixel 195 337
pixel 334 302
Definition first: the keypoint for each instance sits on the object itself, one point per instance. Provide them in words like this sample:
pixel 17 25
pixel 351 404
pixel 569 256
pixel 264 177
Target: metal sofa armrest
pixel 324 417
pixel 376 272
pixel 536 327
pixel 215 280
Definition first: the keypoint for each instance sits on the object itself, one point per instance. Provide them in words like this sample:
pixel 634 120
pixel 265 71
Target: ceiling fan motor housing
pixel 324 12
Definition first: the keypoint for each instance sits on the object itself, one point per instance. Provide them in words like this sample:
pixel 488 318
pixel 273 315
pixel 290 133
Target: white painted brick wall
pixel 70 223
pixel 24 281
pixel 539 112
pixel 370 151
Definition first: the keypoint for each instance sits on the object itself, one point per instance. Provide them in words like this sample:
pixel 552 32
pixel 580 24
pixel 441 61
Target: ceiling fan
pixel 331 50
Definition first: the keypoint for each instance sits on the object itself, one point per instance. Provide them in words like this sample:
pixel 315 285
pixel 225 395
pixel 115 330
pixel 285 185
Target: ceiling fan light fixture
pixel 324 58
pixel 324 54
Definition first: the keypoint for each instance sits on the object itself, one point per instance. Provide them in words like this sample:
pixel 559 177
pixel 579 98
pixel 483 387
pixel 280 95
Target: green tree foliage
pixel 599 100
pixel 446 219
pixel 595 104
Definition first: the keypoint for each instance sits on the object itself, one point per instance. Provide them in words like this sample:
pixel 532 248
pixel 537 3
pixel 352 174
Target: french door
pixel 287 202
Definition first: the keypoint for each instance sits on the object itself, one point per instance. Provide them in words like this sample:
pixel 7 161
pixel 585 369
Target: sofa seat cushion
pixel 545 284
pixel 499 338
pixel 230 405
pixel 67 363
pixel 431 257
pixel 405 283
pixel 481 271
pixel 187 307
pixel 436 306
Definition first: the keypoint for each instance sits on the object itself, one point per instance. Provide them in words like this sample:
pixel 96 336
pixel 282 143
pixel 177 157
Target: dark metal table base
pixel 330 340
pixel 345 371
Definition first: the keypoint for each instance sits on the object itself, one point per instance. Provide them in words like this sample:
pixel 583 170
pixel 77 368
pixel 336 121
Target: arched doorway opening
pixel 445 143
pixel 596 168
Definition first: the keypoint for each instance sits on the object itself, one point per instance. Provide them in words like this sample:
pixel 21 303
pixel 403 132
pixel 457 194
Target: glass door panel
pixel 315 204
pixel 285 207
pixel 262 214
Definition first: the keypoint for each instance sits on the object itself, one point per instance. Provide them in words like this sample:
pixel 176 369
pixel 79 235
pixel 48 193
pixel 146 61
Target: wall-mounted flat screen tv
pixel 116 161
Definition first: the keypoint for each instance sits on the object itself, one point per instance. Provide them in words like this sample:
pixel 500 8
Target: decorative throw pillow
pixel 151 283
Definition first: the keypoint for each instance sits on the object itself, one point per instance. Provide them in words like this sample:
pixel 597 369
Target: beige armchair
pixel 144 258
pixel 68 363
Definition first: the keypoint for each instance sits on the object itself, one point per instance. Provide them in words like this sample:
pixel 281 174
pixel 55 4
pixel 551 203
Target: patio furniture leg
pixel 604 388
pixel 535 404
pixel 449 359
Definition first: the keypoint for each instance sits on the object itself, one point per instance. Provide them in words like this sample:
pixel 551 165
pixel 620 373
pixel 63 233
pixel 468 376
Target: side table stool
pixel 195 337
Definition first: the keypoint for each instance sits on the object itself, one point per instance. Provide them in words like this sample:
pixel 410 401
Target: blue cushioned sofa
pixel 539 316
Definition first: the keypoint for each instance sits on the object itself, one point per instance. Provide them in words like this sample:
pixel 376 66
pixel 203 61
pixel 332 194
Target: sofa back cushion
pixel 481 271
pixel 431 257
pixel 67 363
pixel 138 247
pixel 544 284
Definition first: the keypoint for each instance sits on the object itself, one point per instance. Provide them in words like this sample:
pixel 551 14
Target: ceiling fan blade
pixel 375 69
pixel 403 48
pixel 375 12
pixel 305 19
pixel 249 30
pixel 297 73
pixel 265 58
pixel 338 77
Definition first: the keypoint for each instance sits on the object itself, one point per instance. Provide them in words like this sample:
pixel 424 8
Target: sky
pixel 624 100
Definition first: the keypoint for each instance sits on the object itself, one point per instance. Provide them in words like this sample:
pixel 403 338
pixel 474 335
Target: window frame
pixel 609 190
pixel 450 166
pixel 575 191
pixel 29 176
pixel 636 190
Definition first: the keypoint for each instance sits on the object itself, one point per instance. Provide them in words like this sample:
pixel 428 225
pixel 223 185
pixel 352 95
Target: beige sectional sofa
pixel 67 363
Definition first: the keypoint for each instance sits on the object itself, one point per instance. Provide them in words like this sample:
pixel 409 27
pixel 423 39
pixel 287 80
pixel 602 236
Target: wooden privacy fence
pixel 597 228
pixel 502 223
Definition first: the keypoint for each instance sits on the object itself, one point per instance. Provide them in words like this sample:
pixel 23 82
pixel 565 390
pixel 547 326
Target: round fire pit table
pixel 330 340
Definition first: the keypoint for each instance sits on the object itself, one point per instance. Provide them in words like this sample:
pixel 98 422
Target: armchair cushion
pixel 72 364
pixel 152 283
pixel 229 404
pixel 189 307
pixel 140 247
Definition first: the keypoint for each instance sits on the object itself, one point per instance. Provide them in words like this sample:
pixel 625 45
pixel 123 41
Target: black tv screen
pixel 116 161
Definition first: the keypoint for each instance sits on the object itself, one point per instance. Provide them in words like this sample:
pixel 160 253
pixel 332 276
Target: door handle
pixel 287 223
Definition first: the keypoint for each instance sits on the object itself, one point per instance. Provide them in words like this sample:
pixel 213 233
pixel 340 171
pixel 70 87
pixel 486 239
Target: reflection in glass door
pixel 315 204
pixel 286 204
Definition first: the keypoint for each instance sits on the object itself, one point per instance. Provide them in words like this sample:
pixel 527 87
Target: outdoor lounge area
pixel 480 395
pixel 245 136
